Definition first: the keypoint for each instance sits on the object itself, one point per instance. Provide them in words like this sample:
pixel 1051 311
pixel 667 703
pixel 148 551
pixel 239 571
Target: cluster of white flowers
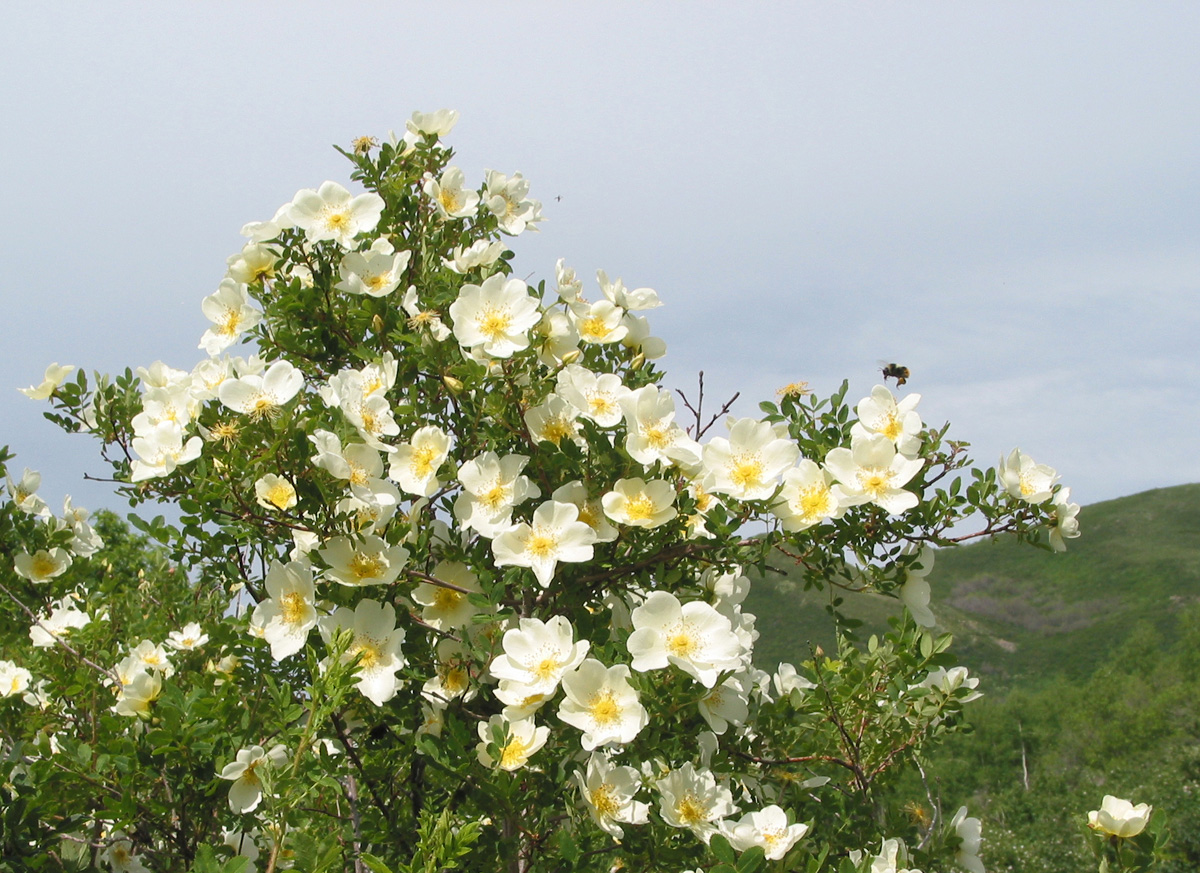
pixel 41 566
pixel 46 564
pixel 408 493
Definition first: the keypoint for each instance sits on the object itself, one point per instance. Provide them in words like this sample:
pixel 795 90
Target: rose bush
pixel 456 581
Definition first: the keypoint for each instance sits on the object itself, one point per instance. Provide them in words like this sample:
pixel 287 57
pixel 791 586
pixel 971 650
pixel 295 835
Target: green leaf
pixel 567 847
pixel 375 863
pixel 720 847
pixel 752 860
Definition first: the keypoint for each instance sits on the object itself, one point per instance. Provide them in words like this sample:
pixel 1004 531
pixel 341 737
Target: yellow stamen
pixel 494 497
pixel 423 458
pixel 513 754
pixel 747 471
pixel 494 322
pixel 604 709
pixel 816 501
pixel 369 652
pixel 639 508
pixel 547 668
pixel 367 566
pixel 541 545
pixel 295 609
pixel 603 802
pixel 691 810
pixel 892 428
pixel 682 643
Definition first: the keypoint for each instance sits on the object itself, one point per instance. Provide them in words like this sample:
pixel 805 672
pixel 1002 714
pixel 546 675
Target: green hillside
pixel 1019 612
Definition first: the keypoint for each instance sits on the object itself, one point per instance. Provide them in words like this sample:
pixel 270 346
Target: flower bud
pixel 377 325
pixel 639 360
pixel 572 356
pixel 454 386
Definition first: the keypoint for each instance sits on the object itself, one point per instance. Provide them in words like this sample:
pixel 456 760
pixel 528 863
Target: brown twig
pixel 697 410
pixel 59 640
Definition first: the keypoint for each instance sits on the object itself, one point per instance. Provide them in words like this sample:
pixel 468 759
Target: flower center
pixel 603 708
pixel 875 481
pixel 43 565
pixel 422 318
pixel 368 651
pixel 454 679
pixel 691 810
pixel 370 421
pixel 746 470
pixel 280 495
pixel 603 801
pixel 225 432
pixel 338 222
pixel 601 404
pixel 892 427
pixel 541 545
pixel 639 508
pixel 495 497
pixel 494 322
pixel 294 608
pixel 449 199
pixel 513 754
pixel 815 501
pixel 657 435
pixel 556 428
pixel 423 458
pixel 367 566
pixel 264 406
pixel 445 599
pixel 682 642
pixel 231 323
pixel 593 329
pixel 547 668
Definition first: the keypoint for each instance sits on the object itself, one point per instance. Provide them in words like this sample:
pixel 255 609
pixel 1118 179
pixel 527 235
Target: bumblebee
pixel 894 371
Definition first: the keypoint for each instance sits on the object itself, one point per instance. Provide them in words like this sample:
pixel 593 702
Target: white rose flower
pixel 554 535
pixel 495 317
pixel 693 636
pixel 332 213
pixel 1119 818
pixel 600 702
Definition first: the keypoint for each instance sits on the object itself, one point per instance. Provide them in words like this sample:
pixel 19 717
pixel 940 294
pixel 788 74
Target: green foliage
pixel 1024 616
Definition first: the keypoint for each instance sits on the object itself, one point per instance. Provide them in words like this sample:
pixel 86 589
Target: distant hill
pixel 1018 612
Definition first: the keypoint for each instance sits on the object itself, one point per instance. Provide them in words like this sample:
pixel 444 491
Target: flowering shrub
pixel 457 582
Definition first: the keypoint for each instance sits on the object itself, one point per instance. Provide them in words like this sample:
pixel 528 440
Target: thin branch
pixel 800 759
pixel 697 410
pixel 60 641
pixel 440 583
pixel 352 754
pixel 685 550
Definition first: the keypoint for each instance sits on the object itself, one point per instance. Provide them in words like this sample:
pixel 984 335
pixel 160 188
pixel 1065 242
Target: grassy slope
pixel 1019 612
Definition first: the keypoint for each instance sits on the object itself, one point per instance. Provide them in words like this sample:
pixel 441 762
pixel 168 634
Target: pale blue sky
pixel 1004 197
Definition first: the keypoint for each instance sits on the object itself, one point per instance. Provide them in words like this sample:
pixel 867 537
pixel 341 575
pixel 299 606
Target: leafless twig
pixel 696 431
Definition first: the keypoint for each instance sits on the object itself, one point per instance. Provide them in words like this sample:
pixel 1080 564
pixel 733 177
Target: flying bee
pixel 894 371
